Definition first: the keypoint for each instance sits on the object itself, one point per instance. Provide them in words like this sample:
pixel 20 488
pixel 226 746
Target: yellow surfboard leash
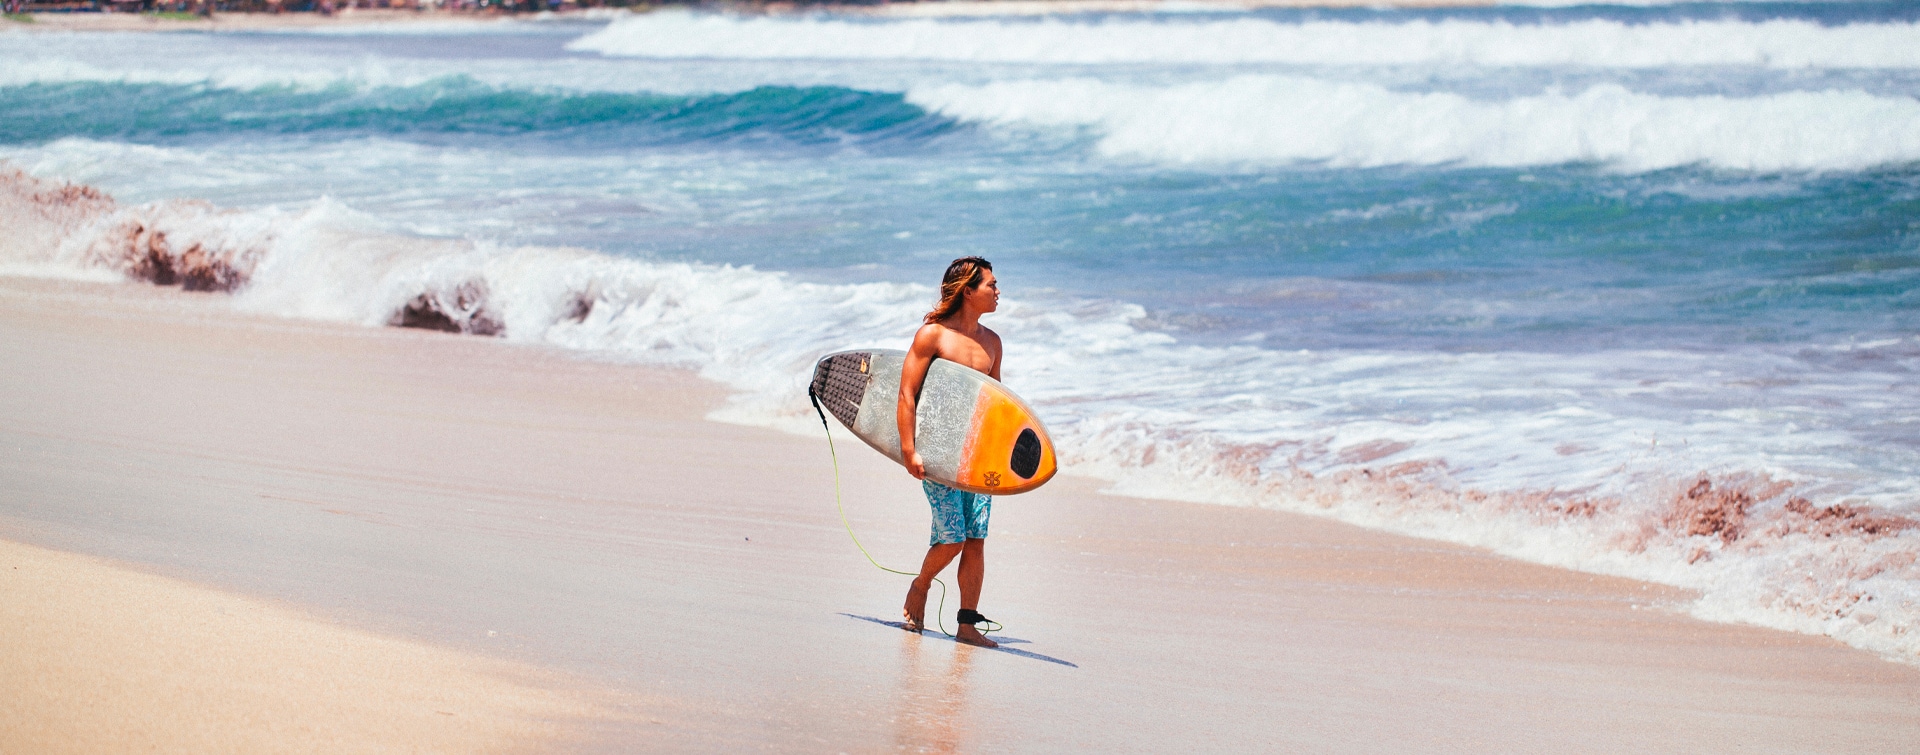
pixel 939 615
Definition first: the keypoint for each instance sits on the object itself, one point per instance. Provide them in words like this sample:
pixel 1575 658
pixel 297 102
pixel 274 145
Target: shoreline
pixel 50 21
pixel 513 502
pixel 1660 532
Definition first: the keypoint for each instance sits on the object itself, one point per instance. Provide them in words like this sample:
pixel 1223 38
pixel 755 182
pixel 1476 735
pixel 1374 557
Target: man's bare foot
pixel 916 610
pixel 971 636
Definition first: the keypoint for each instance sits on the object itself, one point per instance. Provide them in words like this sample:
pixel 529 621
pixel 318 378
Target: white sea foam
pixel 1643 464
pixel 126 59
pixel 234 74
pixel 1242 39
pixel 1273 119
pixel 1284 119
pixel 348 25
pixel 1218 119
pixel 1589 461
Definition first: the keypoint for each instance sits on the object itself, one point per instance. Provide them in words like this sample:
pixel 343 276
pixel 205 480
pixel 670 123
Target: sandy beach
pixel 567 551
pixel 102 658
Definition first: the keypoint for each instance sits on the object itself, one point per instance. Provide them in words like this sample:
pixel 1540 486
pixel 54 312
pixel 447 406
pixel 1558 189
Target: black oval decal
pixel 1026 454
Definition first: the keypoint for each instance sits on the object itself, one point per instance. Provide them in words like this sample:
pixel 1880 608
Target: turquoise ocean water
pixel 1518 277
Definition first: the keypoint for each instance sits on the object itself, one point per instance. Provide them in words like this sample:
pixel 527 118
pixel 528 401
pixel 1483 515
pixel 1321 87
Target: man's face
pixel 985 297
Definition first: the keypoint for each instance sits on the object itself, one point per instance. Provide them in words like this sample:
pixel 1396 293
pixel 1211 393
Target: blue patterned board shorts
pixel 957 514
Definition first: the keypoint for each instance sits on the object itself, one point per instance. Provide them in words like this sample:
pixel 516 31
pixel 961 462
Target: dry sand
pixel 100 658
pixel 526 506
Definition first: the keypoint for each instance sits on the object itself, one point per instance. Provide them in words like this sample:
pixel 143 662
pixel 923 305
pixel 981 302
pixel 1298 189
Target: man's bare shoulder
pixel 928 337
pixel 990 339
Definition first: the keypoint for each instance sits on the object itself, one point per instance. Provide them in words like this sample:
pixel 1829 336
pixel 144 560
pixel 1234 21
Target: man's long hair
pixel 963 275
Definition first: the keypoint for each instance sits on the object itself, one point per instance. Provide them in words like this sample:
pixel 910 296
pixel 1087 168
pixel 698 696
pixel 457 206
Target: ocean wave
pixel 1251 119
pixel 1651 465
pixel 1284 119
pixel 806 115
pixel 1241 39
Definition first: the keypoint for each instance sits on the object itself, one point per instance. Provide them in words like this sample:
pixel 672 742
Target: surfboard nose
pixel 1007 450
pixel 1025 460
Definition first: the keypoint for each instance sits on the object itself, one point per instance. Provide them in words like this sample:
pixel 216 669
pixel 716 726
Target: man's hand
pixel 913 373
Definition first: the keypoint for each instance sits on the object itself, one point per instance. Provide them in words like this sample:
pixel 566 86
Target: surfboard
pixel 973 433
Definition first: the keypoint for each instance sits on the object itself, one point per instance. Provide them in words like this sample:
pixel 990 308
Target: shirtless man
pixel 952 331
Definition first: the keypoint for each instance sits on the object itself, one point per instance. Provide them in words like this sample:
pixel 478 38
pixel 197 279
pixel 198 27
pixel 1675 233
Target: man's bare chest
pixel 963 350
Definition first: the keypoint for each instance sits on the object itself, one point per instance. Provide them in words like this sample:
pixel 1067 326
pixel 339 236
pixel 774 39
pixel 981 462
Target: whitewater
pixel 1624 290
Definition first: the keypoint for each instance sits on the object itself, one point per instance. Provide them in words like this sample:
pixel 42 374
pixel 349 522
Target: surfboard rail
pixel 973 432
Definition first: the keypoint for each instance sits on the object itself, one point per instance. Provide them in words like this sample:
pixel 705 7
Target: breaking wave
pixel 1611 462
pixel 457 105
pixel 1600 43
pixel 1250 119
pixel 1284 119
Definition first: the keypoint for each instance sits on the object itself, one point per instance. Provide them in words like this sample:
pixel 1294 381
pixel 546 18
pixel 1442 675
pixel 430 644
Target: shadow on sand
pixel 1004 641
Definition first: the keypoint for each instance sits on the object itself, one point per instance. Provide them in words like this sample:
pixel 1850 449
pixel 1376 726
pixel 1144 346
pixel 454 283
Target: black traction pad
pixel 840 382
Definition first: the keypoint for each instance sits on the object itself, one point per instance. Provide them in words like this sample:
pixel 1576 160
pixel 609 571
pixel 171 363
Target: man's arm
pixel 993 350
pixel 926 345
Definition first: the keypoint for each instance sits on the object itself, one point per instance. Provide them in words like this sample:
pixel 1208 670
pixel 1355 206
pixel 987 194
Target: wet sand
pixel 520 505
